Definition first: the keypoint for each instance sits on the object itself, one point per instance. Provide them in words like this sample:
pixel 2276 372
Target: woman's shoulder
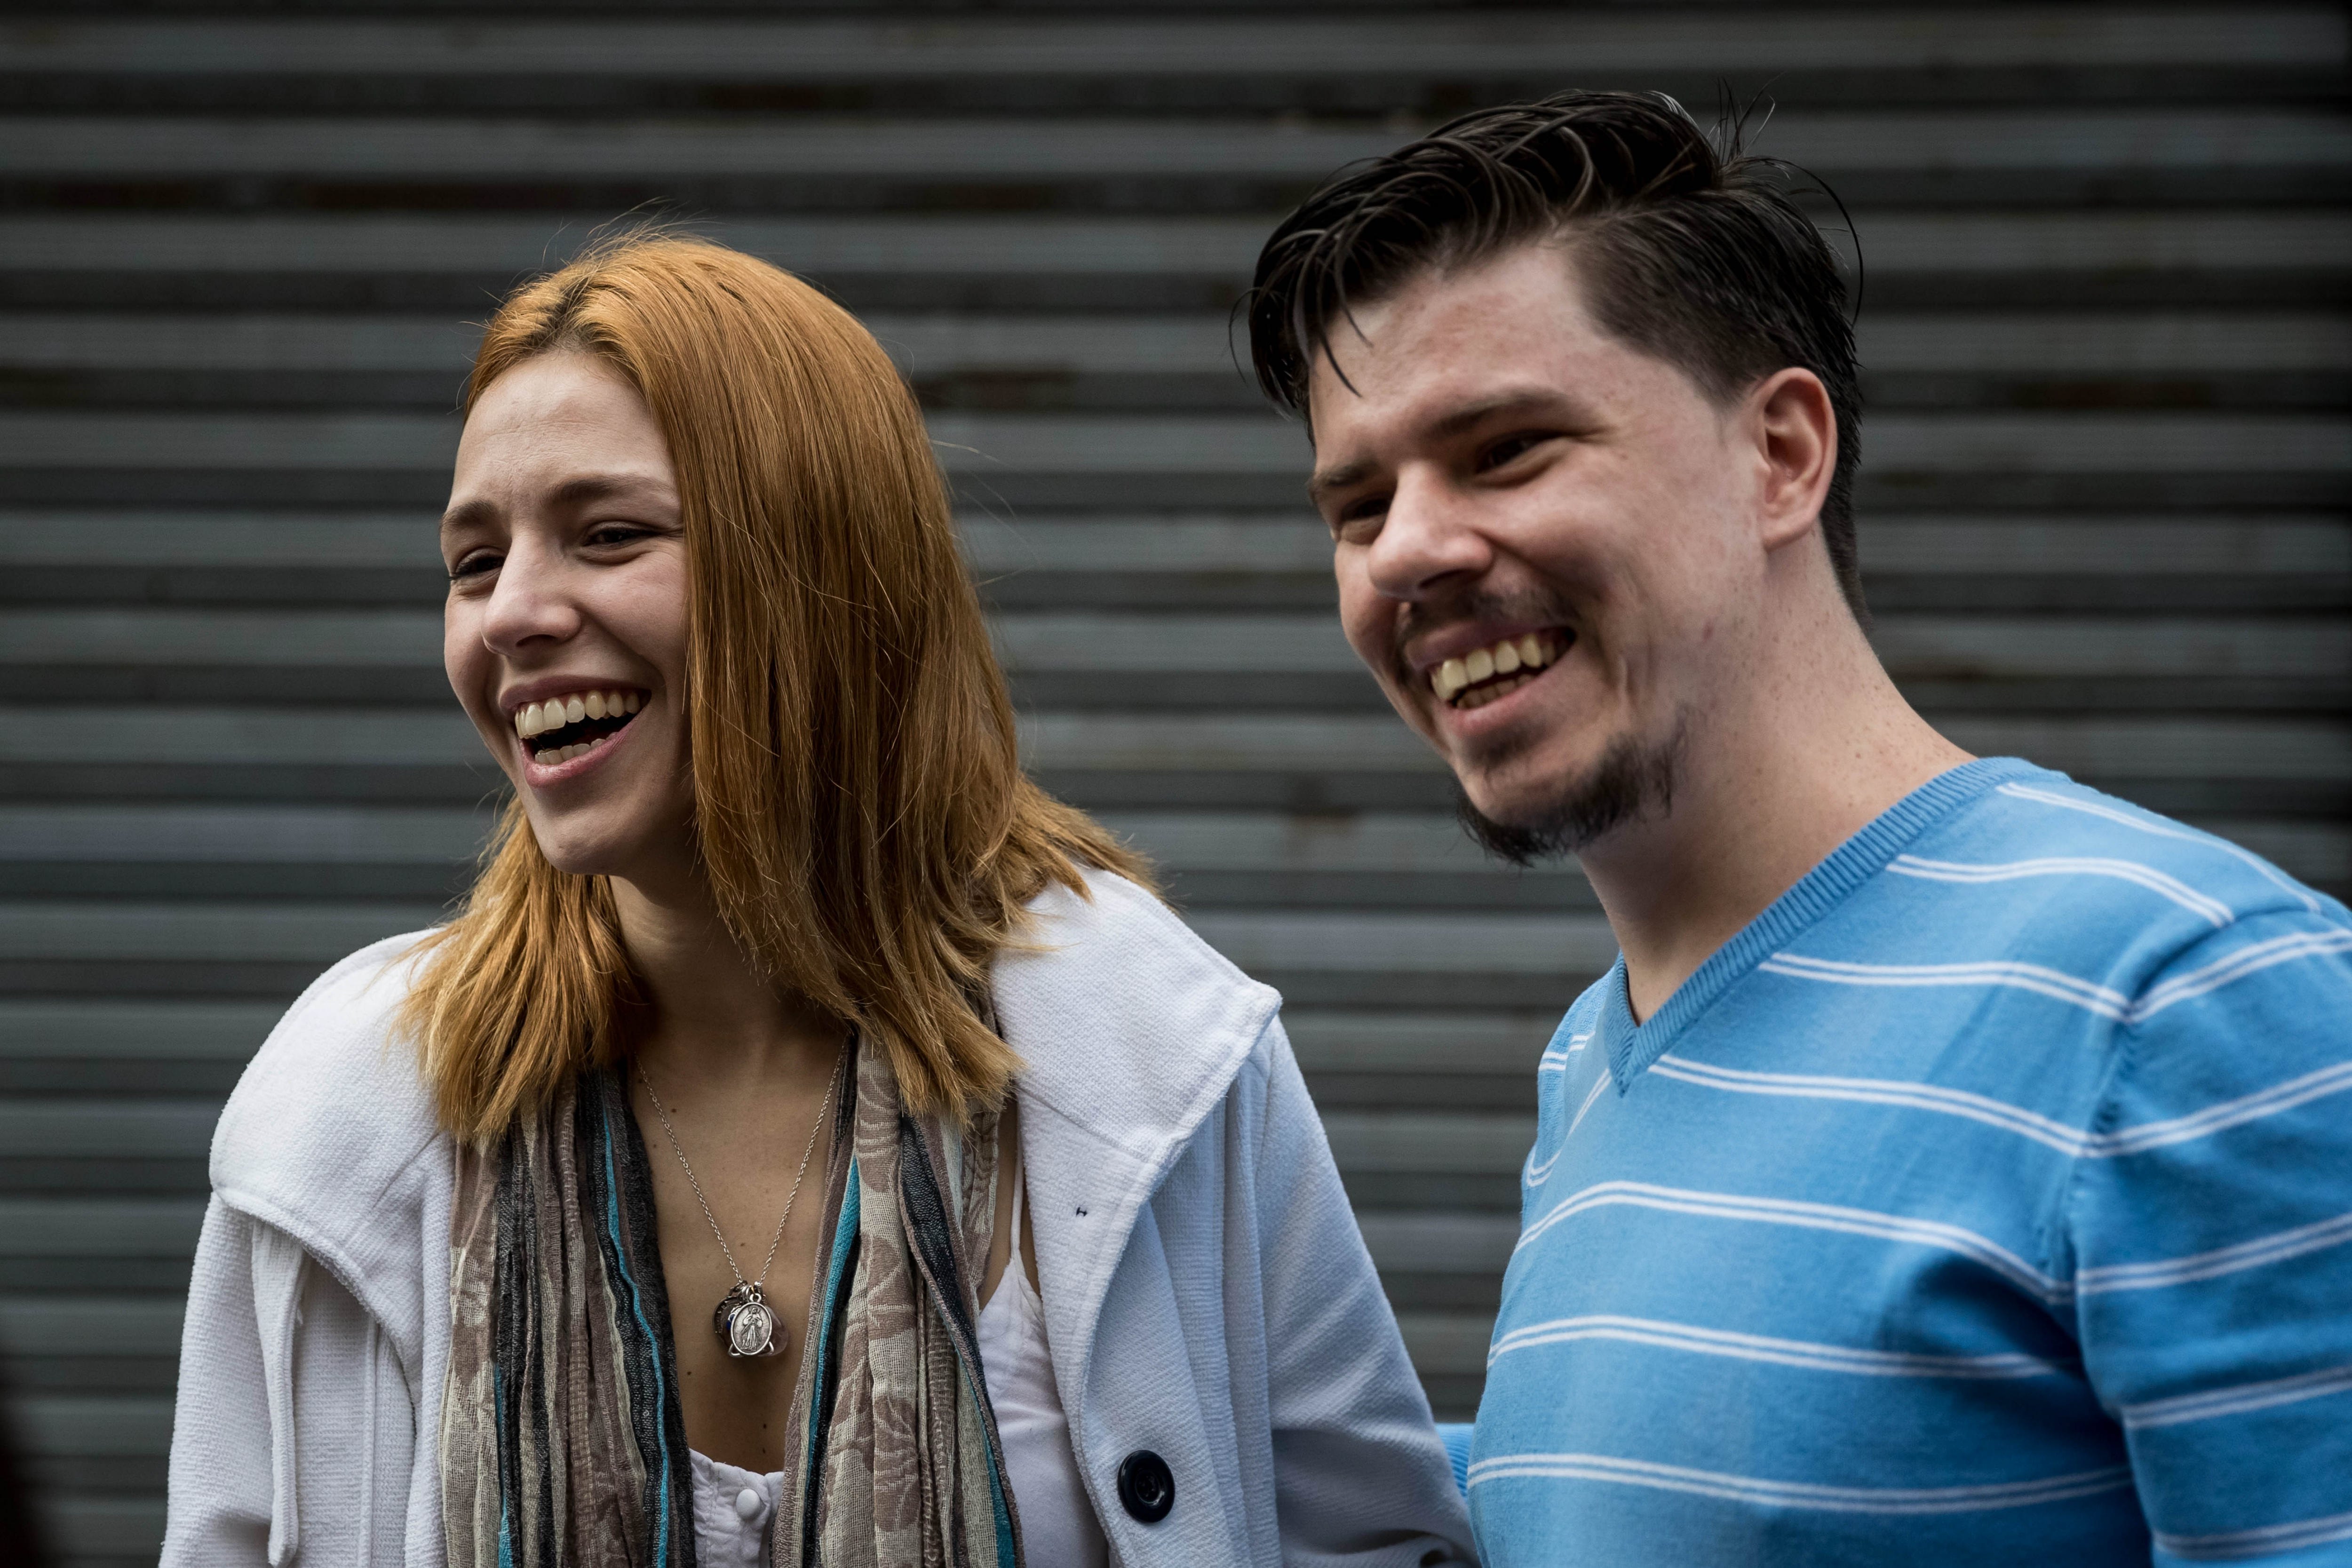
pixel 1125 1020
pixel 332 1110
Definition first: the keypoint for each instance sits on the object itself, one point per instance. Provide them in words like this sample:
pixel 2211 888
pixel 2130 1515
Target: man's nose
pixel 1427 543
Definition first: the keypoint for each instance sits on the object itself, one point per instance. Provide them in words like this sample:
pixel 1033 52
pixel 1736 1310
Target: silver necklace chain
pixel 776 1240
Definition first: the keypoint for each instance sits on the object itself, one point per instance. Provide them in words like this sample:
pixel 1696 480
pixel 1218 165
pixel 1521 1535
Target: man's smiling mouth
pixel 1478 678
pixel 562 728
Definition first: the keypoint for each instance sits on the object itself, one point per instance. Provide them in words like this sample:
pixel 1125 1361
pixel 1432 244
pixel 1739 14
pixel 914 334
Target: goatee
pixel 1629 783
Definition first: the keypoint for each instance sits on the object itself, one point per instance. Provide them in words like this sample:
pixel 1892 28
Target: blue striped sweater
pixel 1989 1198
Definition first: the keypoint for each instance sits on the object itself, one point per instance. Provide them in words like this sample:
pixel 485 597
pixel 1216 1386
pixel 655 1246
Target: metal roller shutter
pixel 2104 505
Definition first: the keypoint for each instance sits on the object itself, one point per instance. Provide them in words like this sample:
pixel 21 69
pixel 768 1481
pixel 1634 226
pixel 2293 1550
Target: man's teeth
pixel 535 719
pixel 1529 651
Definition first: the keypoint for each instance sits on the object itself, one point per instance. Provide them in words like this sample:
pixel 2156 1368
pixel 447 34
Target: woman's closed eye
pixel 475 563
pixel 616 535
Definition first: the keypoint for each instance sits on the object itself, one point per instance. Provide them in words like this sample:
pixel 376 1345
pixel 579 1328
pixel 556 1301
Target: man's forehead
pixel 1457 337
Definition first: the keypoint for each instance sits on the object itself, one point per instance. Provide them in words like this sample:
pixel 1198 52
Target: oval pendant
pixel 748 1324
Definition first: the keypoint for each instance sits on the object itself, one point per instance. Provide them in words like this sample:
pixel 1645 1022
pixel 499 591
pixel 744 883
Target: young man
pixel 1956 1167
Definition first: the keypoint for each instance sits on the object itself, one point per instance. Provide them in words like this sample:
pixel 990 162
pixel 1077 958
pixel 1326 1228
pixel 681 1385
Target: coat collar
pixel 1132 1030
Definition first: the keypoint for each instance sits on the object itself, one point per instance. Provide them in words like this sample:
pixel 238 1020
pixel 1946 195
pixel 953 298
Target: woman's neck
pixel 710 1016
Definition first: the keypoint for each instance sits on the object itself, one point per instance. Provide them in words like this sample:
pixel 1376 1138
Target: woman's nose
pixel 529 603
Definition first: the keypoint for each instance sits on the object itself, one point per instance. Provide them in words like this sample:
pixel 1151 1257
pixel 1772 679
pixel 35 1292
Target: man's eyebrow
pixel 1344 477
pixel 468 514
pixel 1527 399
pixel 1517 399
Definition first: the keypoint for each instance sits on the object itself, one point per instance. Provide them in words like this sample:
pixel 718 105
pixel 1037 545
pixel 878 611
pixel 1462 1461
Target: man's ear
pixel 1796 436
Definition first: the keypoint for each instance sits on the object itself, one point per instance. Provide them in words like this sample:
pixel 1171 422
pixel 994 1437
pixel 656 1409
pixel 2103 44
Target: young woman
pixel 812 1143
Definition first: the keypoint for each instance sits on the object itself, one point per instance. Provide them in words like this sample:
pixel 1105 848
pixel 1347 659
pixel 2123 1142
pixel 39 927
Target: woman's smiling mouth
pixel 563 727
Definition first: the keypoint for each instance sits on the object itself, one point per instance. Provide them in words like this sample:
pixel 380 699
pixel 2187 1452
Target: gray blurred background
pixel 2106 462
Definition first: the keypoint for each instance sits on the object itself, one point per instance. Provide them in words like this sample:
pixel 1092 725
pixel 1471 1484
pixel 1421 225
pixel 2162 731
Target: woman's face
pixel 565 633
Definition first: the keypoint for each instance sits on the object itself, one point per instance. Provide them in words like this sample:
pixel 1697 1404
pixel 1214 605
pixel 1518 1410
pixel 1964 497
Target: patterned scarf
pixel 562 1441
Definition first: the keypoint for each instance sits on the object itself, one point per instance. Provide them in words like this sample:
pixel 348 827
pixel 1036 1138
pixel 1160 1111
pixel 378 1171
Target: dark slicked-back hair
pixel 1692 252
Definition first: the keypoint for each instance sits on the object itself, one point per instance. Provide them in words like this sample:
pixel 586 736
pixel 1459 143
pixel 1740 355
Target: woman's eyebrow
pixel 587 488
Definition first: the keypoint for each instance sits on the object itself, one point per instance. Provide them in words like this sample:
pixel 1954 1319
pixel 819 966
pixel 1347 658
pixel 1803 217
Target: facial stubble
pixel 1630 783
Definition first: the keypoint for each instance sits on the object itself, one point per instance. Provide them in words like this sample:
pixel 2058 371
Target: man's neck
pixel 1771 782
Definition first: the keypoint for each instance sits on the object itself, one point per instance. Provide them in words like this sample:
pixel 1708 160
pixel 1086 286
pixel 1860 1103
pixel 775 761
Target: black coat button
pixel 1145 1487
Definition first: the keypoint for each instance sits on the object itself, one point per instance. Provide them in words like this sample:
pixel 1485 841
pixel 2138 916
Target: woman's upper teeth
pixel 1529 650
pixel 538 718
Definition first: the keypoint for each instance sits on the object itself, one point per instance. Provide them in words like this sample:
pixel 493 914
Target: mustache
pixel 1421 619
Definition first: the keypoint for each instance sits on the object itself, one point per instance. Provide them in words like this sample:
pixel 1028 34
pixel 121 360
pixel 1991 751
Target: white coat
pixel 1207 1294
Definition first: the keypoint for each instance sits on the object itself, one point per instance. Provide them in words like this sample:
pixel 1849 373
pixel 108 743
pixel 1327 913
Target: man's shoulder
pixel 2050 869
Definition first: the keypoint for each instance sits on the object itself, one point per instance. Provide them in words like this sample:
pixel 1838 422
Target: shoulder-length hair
pixel 860 813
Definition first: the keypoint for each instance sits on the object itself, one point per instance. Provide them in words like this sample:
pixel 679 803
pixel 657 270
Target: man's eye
pixel 1359 517
pixel 1510 448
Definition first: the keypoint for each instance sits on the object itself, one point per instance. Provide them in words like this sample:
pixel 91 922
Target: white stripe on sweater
pixel 1801 1494
pixel 2210 910
pixel 1805 1216
pixel 2161 829
pixel 2239 1399
pixel 2251 959
pixel 2261 1542
pixel 1536 1174
pixel 1556 1058
pixel 2021 976
pixel 2262 1250
pixel 1774 1351
pixel 2228 1113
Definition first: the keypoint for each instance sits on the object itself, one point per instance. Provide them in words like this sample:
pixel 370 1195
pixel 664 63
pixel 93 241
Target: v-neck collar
pixel 1631 1047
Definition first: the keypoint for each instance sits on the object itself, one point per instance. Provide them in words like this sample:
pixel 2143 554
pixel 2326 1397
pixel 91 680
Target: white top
pixel 1059 1528
pixel 731 1509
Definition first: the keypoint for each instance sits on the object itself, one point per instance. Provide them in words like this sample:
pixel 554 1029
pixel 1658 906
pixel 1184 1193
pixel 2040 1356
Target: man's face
pixel 1542 536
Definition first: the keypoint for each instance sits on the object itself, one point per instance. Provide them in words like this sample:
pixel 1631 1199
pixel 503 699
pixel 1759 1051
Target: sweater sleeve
pixel 2210 1222
pixel 1360 1478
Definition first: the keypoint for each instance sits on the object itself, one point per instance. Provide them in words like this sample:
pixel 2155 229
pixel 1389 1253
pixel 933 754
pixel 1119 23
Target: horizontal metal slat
pixel 937 344
pixel 1441 1243
pixel 1342 1039
pixel 1456 942
pixel 1417 1142
pixel 471 244
pixel 61 1129
pixel 789 50
pixel 133 1031
pixel 1443 1343
pixel 99 1227
pixel 127 933
pixel 2113 245
pixel 89 1325
pixel 238 736
pixel 94 1426
pixel 1934 145
pixel 284 833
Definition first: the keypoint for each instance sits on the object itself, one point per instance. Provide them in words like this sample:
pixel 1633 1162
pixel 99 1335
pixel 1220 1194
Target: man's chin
pixel 1552 817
